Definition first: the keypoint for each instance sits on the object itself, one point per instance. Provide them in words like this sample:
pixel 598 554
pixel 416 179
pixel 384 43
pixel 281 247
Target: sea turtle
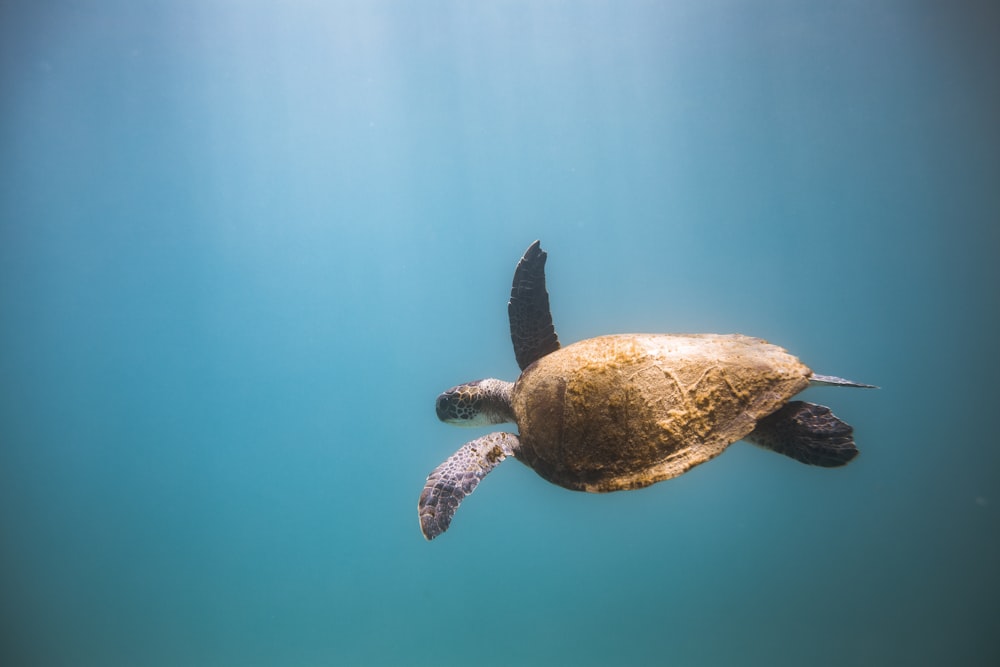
pixel 625 411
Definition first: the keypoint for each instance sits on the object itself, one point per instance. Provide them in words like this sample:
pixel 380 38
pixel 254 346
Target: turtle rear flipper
pixel 807 432
pixel 459 476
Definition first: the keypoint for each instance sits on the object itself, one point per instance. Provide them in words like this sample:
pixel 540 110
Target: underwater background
pixel 244 245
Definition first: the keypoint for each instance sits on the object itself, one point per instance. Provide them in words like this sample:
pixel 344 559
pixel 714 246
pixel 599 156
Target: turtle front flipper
pixel 808 433
pixel 531 328
pixel 457 477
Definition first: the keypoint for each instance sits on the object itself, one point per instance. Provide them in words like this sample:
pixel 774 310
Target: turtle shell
pixel 625 411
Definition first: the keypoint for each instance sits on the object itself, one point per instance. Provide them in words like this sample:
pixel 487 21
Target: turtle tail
pixel 834 381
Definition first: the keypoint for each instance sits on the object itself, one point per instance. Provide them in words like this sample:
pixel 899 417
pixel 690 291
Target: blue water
pixel 243 245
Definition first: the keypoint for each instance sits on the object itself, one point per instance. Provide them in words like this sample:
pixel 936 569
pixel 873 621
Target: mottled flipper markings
pixel 531 328
pixel 457 477
pixel 808 433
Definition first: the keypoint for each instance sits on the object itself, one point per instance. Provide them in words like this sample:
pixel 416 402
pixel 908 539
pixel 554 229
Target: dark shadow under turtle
pixel 626 411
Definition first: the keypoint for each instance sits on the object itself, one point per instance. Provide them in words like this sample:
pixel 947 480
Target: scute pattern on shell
pixel 626 411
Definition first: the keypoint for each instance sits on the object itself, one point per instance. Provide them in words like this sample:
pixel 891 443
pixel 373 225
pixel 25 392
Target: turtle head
pixel 477 403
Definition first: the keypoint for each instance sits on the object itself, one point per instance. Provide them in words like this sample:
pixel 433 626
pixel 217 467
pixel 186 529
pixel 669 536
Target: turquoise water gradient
pixel 243 245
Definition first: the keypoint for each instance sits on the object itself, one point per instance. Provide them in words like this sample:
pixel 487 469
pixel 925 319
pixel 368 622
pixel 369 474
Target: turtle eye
pixel 453 406
pixel 459 406
pixel 445 407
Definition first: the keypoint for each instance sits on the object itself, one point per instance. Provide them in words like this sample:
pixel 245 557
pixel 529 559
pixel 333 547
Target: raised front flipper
pixel 531 328
pixel 457 477
pixel 808 433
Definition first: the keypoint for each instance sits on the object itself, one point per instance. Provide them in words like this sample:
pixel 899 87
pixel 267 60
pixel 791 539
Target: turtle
pixel 624 411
